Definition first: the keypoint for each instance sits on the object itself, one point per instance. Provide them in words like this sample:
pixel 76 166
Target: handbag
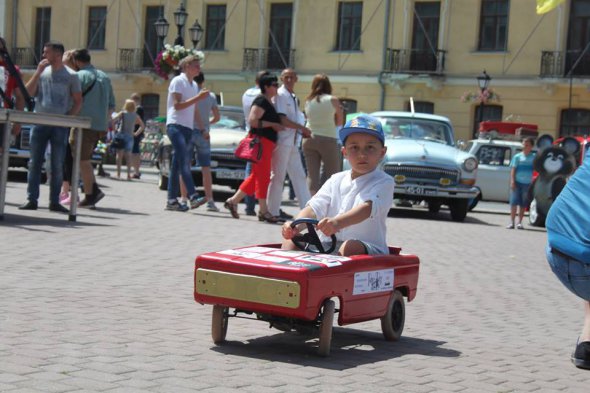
pixel 118 141
pixel 249 148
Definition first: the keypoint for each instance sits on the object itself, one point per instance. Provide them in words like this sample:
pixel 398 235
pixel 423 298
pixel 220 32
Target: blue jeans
pixel 180 138
pixel 574 274
pixel 519 196
pixel 57 137
pixel 249 200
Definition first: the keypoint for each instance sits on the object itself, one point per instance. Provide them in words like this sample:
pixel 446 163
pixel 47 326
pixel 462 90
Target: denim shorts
pixel 519 196
pixel 370 248
pixel 203 147
pixel 575 275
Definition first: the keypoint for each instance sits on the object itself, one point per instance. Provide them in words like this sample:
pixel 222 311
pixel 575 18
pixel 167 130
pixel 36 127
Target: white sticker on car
pixel 373 281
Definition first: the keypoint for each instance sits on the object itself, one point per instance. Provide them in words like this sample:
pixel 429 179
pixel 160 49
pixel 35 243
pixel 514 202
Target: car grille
pixel 422 175
pixel 227 160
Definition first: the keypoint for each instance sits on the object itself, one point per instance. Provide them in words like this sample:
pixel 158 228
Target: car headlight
pixel 470 164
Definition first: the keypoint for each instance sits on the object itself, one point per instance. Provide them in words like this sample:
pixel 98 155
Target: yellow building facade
pixel 379 54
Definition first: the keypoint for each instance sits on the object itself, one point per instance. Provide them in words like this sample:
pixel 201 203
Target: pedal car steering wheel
pixel 303 241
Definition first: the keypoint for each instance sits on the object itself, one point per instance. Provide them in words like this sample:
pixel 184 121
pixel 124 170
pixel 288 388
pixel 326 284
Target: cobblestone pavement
pixel 105 304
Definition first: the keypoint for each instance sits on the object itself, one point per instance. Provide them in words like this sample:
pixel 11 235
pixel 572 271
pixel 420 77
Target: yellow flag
pixel 544 6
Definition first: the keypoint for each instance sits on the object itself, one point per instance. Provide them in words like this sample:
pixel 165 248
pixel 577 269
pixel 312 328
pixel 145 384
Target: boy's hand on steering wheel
pixel 289 232
pixel 328 226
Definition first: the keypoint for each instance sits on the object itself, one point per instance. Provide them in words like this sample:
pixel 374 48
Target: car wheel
pixel 219 322
pixel 536 217
pixel 392 323
pixel 474 201
pixel 326 328
pixel 162 182
pixel 434 206
pixel 458 209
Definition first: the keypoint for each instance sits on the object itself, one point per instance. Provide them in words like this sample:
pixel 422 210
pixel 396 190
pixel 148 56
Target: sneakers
pixel 510 226
pixel 67 200
pixel 56 207
pixel 519 226
pixel 211 207
pixel 581 355
pixel 250 212
pixel 197 201
pixel 175 206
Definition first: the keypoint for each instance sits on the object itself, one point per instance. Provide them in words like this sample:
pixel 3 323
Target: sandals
pixel 268 218
pixel 233 209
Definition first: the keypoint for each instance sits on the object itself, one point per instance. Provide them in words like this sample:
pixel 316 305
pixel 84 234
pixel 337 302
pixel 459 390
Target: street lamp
pixel 196 33
pixel 161 26
pixel 483 82
pixel 180 16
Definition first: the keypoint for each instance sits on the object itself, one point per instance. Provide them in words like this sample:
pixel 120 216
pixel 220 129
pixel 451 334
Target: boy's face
pixel 364 152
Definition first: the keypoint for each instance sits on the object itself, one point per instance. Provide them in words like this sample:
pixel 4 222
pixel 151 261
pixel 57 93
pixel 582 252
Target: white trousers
pixel 286 159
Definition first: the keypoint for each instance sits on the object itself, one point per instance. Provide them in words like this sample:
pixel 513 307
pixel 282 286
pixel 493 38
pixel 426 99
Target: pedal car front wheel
pixel 326 328
pixel 392 323
pixel 219 321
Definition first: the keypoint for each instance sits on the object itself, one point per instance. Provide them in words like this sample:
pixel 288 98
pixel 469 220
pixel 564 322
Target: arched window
pixel 574 122
pixel 490 112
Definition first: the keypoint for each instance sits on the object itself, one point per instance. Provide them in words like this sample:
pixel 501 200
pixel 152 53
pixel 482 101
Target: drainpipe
pixel 384 59
pixel 14 23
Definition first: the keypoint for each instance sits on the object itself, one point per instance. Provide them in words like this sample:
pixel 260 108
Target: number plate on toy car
pixel 227 174
pixel 417 190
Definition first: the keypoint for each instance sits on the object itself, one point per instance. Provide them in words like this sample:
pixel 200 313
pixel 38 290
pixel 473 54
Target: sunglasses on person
pixel 274 84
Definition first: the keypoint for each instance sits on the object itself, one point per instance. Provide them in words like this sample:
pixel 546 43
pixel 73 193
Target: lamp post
pixel 161 26
pixel 196 33
pixel 483 82
pixel 180 16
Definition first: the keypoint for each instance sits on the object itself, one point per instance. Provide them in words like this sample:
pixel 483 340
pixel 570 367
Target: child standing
pixel 353 203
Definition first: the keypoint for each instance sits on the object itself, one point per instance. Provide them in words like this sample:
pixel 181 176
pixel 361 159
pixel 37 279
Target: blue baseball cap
pixel 364 124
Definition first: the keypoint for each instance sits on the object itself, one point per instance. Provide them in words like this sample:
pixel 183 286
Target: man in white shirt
pixel 286 157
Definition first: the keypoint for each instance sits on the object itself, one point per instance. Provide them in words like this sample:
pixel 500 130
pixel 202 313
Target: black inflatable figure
pixel 554 164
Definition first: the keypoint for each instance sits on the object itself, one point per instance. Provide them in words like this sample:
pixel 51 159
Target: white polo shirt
pixel 187 89
pixel 286 104
pixel 340 194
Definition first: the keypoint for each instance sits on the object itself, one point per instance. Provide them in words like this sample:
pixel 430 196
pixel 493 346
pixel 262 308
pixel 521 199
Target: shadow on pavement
pixel 30 222
pixel 423 214
pixel 350 348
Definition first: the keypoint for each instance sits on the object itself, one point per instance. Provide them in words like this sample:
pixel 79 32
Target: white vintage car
pixel 425 163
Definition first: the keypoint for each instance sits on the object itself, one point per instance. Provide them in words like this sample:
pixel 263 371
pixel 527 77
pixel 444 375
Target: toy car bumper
pixel 430 191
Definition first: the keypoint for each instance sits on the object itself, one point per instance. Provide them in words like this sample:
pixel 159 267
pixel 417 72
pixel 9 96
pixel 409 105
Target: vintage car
pixel 425 163
pixel 296 290
pixel 226 169
pixel 497 143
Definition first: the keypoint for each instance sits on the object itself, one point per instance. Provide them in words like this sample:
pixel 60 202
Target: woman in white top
pixel 324 114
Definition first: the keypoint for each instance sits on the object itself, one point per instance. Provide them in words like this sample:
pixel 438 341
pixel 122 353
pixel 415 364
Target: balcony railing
pixel 130 60
pixel 24 57
pixel 415 61
pixel 557 64
pixel 256 59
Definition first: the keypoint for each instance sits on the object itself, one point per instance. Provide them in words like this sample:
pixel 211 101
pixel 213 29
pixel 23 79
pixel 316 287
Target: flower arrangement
pixel 167 60
pixel 483 96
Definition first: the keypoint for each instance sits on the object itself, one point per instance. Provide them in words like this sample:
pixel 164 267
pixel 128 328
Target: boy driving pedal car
pixel 354 203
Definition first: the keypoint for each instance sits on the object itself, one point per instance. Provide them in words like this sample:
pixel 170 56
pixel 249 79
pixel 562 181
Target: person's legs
pixel 297 177
pixel 331 158
pixel 59 141
pixel 279 162
pixel 203 149
pixel 119 161
pixel 312 163
pixel 352 247
pixel 585 336
pixel 136 156
pixel 39 139
pixel 249 199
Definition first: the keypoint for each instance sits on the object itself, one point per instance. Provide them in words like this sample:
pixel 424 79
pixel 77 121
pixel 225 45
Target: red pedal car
pixel 295 290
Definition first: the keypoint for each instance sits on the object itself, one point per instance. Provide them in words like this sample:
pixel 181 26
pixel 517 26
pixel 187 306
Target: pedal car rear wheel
pixel 326 328
pixel 392 323
pixel 219 324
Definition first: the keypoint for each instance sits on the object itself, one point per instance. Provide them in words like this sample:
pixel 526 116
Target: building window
pixel 493 29
pixel 151 105
pixel 42 29
pixel 215 31
pixel 490 112
pixel 97 19
pixel 421 107
pixel 350 17
pixel 151 45
pixel 574 122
